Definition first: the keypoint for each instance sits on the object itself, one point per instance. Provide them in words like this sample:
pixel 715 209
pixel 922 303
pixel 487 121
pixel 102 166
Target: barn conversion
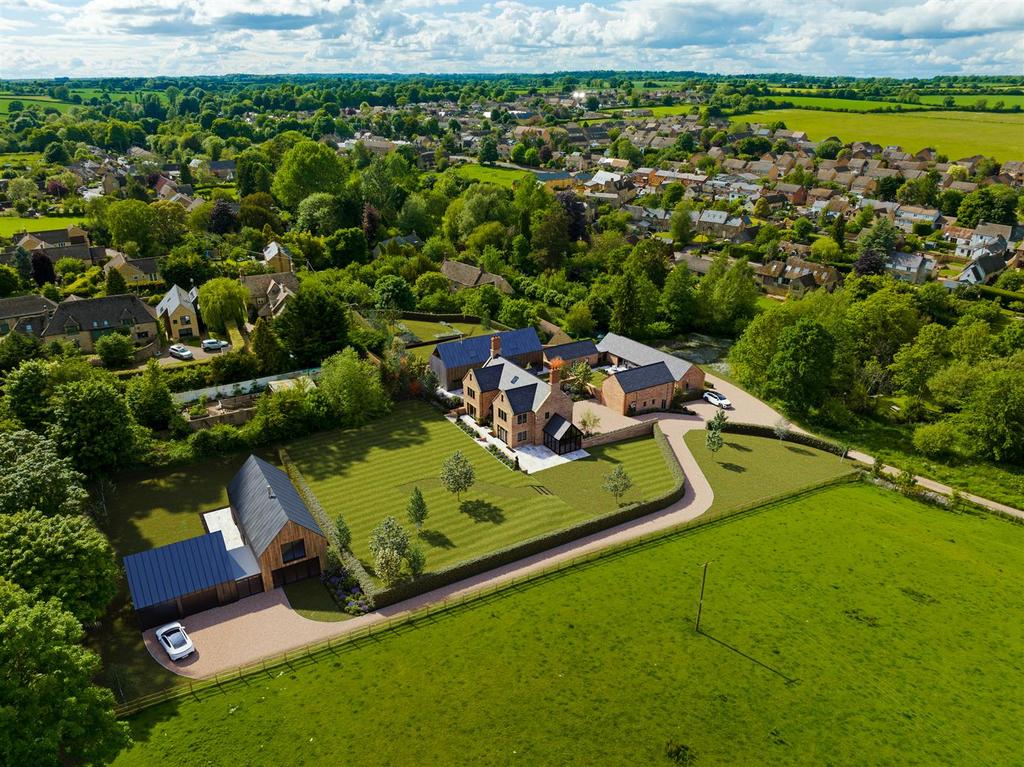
pixel 266 538
pixel 451 360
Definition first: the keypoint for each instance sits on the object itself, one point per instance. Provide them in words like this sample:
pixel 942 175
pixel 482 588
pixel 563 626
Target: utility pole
pixel 700 603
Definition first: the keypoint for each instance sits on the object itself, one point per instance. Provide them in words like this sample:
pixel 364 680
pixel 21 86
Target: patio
pixel 532 458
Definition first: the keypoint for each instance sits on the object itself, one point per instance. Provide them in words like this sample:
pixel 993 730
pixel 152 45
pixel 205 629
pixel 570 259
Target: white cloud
pixel 144 37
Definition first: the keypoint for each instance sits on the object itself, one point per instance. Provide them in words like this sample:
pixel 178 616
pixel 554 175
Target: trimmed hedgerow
pixel 808 440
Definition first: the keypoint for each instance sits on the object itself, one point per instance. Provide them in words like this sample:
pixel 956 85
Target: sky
pixel 902 38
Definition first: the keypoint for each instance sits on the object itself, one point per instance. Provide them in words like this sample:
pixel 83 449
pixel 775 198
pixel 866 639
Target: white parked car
pixel 214 345
pixel 175 641
pixel 181 352
pixel 718 400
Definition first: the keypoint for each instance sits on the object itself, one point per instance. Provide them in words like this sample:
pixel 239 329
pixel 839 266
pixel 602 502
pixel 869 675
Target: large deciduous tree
pixel 352 388
pixel 457 474
pixel 33 474
pixel 306 168
pixel 801 370
pixel 314 324
pixel 222 303
pixel 92 425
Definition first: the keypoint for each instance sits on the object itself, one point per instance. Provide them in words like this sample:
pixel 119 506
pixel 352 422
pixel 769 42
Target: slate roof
pixel 173 298
pixel 467 352
pixel 471 276
pixel 639 354
pixel 264 501
pixel 25 306
pixel 571 351
pixel 558 427
pixel 177 569
pixel 636 379
pixel 524 390
pixel 97 313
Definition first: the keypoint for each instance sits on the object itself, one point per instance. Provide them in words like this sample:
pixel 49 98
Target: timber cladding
pixel 272 558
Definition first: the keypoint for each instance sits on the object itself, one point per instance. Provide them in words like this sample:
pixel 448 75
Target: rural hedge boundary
pixel 808 440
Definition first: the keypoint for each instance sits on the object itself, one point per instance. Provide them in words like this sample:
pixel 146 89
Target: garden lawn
pixel 752 469
pixel 493 174
pixel 366 474
pixel 957 134
pixel 428 331
pixel 849 626
pixel 311 599
pixel 11 225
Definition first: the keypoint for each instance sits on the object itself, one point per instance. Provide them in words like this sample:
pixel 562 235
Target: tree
pixel 26 389
pixel 589 422
pixel 824 250
pixel 252 172
pixel 995 204
pixel 352 388
pixel 488 151
pixel 387 563
pixel 306 168
pixel 634 301
pixel 993 416
pixel 42 269
pixel 33 475
pixel 319 214
pixel 457 474
pixel 92 425
pixel 115 284
pixel 713 440
pixel 132 221
pixel 149 397
pixel 579 323
pixel 579 376
pixel 838 231
pixel 651 257
pixel 801 370
pixel 341 532
pixel 617 482
pixel 314 324
pixel 392 293
pixel 576 212
pixel 915 363
pixel 223 218
pixel 681 225
pixel 268 348
pixel 52 712
pixel 726 296
pixel 517 313
pixel 879 241
pixel 389 535
pixel 782 429
pixel 417 508
pixel 63 556
pixel 802 229
pixel 222 303
pixel 347 246
pixel 116 350
pixel 185 269
pixel 550 236
pixel 10 281
pixel 678 301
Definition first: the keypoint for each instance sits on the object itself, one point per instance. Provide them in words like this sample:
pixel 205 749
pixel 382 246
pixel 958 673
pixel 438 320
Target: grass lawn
pixel 957 134
pixel 28 101
pixel 428 331
pixel 310 599
pixel 493 174
pixel 366 474
pixel 849 626
pixel 11 225
pixel 750 469
pixel 19 159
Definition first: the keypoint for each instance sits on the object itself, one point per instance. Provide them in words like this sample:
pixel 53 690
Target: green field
pixel 855 105
pixel 849 626
pixel 956 134
pixel 40 101
pixel 428 331
pixel 969 100
pixel 19 159
pixel 10 225
pixel 367 474
pixel 493 174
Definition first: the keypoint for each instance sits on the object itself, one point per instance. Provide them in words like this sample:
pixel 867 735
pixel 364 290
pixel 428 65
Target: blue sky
pixel 178 37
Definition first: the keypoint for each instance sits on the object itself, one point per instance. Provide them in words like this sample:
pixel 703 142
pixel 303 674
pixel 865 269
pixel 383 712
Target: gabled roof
pixel 173 298
pixel 264 501
pixel 558 427
pixel 636 379
pixel 571 351
pixel 524 390
pixel 25 306
pixel 98 313
pixel 639 354
pixel 179 568
pixel 467 352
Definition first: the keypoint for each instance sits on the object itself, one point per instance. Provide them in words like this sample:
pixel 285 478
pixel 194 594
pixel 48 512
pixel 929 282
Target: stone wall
pixel 642 429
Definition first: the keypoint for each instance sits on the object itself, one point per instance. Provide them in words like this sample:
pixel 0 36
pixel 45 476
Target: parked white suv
pixel 175 641
pixel 718 400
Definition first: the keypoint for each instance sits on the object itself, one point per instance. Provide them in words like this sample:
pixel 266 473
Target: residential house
pixel 25 314
pixel 134 270
pixel 277 258
pixel 914 268
pixel 53 238
pixel 461 275
pixel 625 354
pixel 264 539
pixel 985 239
pixel 909 216
pixel 796 194
pixel 981 270
pixel 268 293
pixel 83 321
pixel 523 409
pixel 795 276
pixel 177 311
pixel 640 389
pixel 451 360
pixel 395 244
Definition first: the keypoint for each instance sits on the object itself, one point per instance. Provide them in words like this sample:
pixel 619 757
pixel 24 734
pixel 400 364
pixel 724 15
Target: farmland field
pixel 42 101
pixel 969 100
pixel 492 174
pixel 956 134
pixel 848 626
pixel 855 105
pixel 10 225
pixel 366 474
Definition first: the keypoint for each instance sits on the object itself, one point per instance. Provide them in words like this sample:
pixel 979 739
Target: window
pixel 547 415
pixel 470 393
pixel 28 327
pixel 70 330
pixel 142 334
pixel 521 418
pixel 127 322
pixel 521 437
pixel 502 415
pixel 5 328
pixel 186 320
pixel 292 551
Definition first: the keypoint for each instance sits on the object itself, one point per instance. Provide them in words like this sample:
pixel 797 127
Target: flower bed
pixel 346 591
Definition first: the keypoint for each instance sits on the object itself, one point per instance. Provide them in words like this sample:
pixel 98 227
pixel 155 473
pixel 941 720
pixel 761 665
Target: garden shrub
pixel 936 439
pixel 217 440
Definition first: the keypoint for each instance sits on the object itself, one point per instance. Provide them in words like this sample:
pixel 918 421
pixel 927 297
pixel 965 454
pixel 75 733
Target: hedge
pixel 809 440
pixel 540 543
pixel 1006 297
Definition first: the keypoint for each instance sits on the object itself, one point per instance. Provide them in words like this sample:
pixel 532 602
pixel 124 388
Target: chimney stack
pixel 555 375
pixel 270 492
pixel 495 346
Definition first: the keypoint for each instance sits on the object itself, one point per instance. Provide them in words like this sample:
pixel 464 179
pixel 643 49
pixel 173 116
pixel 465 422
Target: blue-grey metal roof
pixel 644 377
pixel 640 354
pixel 558 427
pixel 571 351
pixel 467 352
pixel 177 569
pixel 264 501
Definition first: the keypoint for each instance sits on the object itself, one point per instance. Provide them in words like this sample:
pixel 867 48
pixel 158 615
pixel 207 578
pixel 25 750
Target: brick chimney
pixel 555 377
pixel 495 346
